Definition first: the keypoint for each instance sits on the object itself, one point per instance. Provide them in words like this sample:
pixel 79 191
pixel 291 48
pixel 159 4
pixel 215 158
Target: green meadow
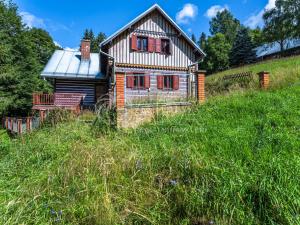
pixel 233 160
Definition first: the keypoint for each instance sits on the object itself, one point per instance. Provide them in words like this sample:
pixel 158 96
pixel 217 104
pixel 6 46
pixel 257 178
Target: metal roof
pixel 68 64
pixel 272 48
pixel 152 8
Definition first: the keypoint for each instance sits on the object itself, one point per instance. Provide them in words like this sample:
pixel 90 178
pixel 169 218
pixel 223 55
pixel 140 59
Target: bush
pixel 59 115
pixel 106 119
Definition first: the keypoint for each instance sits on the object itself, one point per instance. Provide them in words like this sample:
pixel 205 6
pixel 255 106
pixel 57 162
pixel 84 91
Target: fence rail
pixel 20 125
pixel 43 99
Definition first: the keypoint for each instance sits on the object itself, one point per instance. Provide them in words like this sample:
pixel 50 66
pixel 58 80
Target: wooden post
pixel 264 79
pixel 11 124
pixel 6 123
pixel 19 124
pixel 42 116
pixel 28 124
pixel 200 78
pixel 120 90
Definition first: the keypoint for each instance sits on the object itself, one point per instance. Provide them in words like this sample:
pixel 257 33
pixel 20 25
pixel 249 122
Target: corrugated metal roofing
pixel 68 64
pixel 272 48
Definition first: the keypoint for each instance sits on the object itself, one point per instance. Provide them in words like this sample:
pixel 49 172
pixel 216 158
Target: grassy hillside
pixel 283 71
pixel 234 160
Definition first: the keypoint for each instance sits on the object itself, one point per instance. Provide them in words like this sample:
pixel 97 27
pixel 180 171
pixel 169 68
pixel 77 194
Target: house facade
pixel 149 59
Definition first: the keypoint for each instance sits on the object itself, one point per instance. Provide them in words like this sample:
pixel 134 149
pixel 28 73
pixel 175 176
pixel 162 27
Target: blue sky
pixel 66 20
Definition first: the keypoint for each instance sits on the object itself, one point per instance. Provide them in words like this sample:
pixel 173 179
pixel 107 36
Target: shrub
pixel 59 115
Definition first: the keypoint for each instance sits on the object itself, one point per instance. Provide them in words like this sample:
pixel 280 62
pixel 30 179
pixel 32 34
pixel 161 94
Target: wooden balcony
pixel 70 101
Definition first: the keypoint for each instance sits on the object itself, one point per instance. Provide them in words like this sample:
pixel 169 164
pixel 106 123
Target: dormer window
pixel 142 43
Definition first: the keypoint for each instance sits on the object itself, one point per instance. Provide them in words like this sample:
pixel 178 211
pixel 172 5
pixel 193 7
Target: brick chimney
pixel 85 49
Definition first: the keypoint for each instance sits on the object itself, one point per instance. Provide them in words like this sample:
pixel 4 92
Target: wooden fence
pixel 239 76
pixel 17 125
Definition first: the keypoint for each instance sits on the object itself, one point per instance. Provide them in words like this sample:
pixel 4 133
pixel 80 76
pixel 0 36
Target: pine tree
pixel 95 41
pixel 242 51
pixel 193 38
pixel 202 40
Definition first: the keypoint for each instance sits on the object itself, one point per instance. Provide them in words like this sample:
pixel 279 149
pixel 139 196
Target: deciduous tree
pixel 226 24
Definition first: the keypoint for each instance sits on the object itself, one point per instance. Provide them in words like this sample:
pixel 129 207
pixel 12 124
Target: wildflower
pixel 173 182
pixel 53 212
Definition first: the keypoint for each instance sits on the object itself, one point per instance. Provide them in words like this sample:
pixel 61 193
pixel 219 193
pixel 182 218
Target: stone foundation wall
pixel 135 116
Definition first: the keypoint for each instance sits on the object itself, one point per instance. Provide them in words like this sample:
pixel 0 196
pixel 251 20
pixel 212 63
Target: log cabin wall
pixel 153 94
pixel 156 26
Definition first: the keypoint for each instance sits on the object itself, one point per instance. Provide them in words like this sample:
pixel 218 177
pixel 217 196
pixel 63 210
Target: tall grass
pixel 234 160
pixel 283 72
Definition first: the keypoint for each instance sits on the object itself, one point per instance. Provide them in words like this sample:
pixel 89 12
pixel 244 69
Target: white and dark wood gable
pixel 152 41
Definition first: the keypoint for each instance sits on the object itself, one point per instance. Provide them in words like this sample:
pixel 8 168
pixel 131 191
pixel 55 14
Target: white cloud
pixel 57 44
pixel 188 12
pixel 257 20
pixel 189 30
pixel 71 49
pixel 31 20
pixel 212 11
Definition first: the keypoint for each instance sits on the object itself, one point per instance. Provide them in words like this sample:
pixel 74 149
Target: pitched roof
pixel 151 9
pixel 68 64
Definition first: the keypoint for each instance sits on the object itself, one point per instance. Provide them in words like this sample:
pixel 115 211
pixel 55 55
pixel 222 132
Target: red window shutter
pixel 160 82
pixel 158 45
pixel 147 81
pixel 175 82
pixel 130 81
pixel 134 42
pixel 151 44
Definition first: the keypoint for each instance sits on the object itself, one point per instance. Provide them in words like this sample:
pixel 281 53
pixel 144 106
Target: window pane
pixel 135 83
pixel 139 44
pixel 142 81
pixel 145 44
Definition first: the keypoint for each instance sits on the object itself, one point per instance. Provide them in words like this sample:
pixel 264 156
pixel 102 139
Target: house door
pixel 101 92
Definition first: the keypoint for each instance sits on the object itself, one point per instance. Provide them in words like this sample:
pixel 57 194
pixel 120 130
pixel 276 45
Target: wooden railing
pixel 43 99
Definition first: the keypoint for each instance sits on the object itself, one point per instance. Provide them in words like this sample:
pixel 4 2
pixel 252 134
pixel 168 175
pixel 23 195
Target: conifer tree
pixel 242 51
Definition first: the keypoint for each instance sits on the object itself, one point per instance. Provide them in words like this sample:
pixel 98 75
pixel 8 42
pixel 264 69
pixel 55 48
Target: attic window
pixel 142 43
pixel 165 46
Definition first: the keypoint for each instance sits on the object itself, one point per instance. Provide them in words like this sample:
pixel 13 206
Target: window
pixel 165 46
pixel 142 43
pixel 168 82
pixel 138 82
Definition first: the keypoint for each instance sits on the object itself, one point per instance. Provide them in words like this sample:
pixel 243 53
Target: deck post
pixel 264 79
pixel 42 115
pixel 200 80
pixel 120 90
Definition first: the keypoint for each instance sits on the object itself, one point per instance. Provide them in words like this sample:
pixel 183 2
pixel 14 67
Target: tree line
pixel 232 44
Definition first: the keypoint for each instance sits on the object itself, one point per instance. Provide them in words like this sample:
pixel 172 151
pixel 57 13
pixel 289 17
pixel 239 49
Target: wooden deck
pixel 69 101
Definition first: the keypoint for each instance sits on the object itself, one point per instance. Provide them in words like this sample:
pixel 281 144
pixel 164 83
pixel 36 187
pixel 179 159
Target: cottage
pixel 149 59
